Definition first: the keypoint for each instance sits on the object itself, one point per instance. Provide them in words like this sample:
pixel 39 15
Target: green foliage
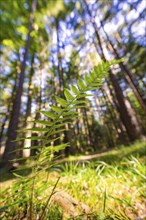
pixel 112 191
pixel 64 111
pixel 61 114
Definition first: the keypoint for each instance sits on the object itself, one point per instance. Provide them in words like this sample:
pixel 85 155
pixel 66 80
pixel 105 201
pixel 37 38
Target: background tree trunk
pixel 126 112
pixel 9 153
pixel 127 74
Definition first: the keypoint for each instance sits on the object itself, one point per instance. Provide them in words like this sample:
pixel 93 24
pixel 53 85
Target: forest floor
pixel 112 155
pixel 108 185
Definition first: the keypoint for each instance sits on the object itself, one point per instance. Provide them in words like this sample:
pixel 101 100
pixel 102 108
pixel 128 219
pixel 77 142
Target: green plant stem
pixel 43 211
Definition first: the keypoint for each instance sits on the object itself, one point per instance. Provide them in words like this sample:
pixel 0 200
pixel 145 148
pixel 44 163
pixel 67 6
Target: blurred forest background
pixel 45 45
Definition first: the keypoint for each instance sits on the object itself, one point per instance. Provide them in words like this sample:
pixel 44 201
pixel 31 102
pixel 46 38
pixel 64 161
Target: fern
pixel 54 122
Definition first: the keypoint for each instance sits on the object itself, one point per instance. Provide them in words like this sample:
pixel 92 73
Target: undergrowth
pixel 112 191
pixel 95 184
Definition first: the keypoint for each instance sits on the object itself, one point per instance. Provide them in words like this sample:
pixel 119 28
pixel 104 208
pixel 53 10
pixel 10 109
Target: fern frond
pixel 53 124
pixel 64 111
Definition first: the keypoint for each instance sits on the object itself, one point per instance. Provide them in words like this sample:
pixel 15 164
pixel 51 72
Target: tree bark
pixel 9 109
pixel 9 153
pixel 61 81
pixel 126 112
pixel 26 124
pixel 127 75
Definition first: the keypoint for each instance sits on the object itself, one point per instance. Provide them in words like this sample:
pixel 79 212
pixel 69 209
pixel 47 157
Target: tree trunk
pixel 109 104
pixel 109 138
pixel 13 124
pixel 89 133
pixel 59 67
pixel 38 114
pixel 127 75
pixel 26 124
pixel 126 112
pixel 61 81
pixel 119 125
pixel 9 109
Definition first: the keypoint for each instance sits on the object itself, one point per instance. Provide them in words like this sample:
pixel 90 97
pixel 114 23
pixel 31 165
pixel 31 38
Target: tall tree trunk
pixel 127 74
pixel 59 67
pixel 78 138
pixel 89 133
pixel 111 112
pixel 118 125
pixel 26 124
pixel 9 109
pixel 13 124
pixel 107 127
pixel 61 81
pixel 115 102
pixel 126 112
pixel 38 114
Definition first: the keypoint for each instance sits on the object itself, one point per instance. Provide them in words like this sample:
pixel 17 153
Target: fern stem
pixel 43 211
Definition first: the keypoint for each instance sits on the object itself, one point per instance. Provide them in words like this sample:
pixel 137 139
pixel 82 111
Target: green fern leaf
pixel 87 79
pixel 81 84
pixel 61 101
pixel 59 131
pixel 60 125
pixel 69 113
pixel 49 114
pixel 68 95
pixel 52 140
pixel 56 108
pixel 36 138
pixel 60 147
pixel 75 90
pixel 43 122
pixel 85 101
pixel 36 129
